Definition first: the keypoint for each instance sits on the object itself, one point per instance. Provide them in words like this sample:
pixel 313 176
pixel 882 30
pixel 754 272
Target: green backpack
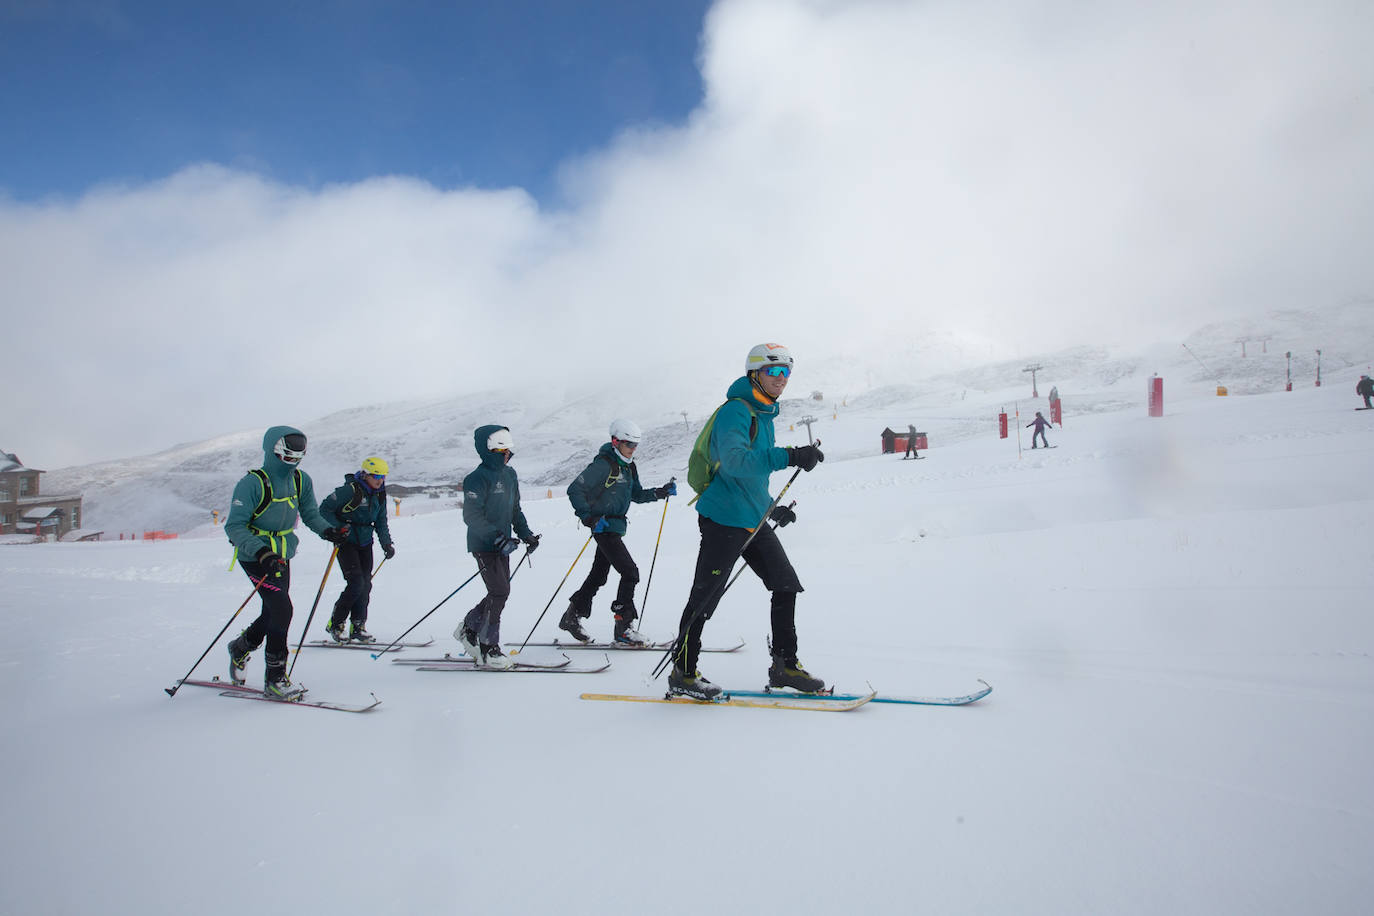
pixel 701 470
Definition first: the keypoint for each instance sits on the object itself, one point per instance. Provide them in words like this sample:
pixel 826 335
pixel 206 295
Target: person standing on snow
pixel 360 506
pixel 731 509
pixel 1039 423
pixel 910 443
pixel 491 506
pixel 1365 389
pixel 262 514
pixel 600 496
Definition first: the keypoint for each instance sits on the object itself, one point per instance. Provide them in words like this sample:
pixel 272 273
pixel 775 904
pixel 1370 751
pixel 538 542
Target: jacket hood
pixel 479 442
pixel 270 461
pixel 744 389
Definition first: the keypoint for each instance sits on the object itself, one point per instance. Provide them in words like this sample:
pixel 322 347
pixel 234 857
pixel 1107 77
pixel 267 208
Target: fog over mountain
pixel 429 443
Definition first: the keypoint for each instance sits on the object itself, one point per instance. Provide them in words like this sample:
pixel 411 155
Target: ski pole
pixel 436 607
pixel 523 558
pixel 650 581
pixel 553 596
pixel 378 569
pixel 306 629
pixel 172 691
pixel 711 596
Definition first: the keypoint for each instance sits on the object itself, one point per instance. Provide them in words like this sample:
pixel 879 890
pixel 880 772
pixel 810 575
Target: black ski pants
pixel 720 548
pixel 274 620
pixel 485 618
pixel 355 562
pixel 610 552
pixel 1041 433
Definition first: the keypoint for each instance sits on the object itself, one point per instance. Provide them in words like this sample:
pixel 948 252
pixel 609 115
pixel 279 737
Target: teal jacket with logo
pixel 491 498
pixel 273 528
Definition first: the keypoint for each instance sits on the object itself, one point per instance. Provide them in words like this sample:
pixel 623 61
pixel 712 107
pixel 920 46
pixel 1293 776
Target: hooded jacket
pixel 491 498
pixel 606 489
pixel 738 494
pixel 273 528
pixel 368 512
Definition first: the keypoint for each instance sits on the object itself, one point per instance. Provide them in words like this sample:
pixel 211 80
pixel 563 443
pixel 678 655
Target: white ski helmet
pixel 626 431
pixel 501 439
pixel 767 354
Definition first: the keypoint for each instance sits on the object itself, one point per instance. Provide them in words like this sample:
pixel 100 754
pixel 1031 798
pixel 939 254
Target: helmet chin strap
pixel 758 386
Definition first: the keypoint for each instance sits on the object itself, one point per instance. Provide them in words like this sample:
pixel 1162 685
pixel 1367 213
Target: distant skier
pixel 600 496
pixel 262 514
pixel 360 506
pixel 910 443
pixel 1039 423
pixel 731 508
pixel 1365 389
pixel 491 506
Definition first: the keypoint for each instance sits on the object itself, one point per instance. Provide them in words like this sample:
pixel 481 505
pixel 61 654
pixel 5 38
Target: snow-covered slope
pixel 1174 614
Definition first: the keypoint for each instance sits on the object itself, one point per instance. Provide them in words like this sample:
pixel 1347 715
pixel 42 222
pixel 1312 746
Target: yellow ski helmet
pixel 375 465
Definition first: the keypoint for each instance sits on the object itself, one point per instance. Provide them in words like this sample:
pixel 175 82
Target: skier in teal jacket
pixel 601 497
pixel 262 516
pixel 491 508
pixel 360 506
pixel 732 506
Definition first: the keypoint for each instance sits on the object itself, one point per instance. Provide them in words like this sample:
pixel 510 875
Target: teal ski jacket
pixel 361 508
pixel 491 498
pixel 273 528
pixel 606 488
pixel 738 494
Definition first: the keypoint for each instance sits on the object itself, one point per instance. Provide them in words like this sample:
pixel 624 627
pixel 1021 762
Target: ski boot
pixel 788 672
pixel 682 684
pixel 625 632
pixel 358 633
pixel 493 657
pixel 276 684
pixel 571 623
pixel 468 640
pixel 336 631
pixel 239 654
pixel 282 689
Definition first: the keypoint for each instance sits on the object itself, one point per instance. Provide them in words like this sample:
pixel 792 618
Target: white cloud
pixel 1037 173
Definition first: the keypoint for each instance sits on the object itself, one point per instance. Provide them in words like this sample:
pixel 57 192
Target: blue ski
pixel 910 701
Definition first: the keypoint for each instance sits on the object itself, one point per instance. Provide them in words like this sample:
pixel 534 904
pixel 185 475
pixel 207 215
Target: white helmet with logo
pixel 501 439
pixel 626 431
pixel 767 354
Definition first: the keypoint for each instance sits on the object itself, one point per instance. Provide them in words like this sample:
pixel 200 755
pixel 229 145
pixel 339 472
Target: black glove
pixel 783 515
pixel 389 550
pixel 270 562
pixel 507 545
pixel 336 535
pixel 532 542
pixel 591 520
pixel 805 457
pixel 669 489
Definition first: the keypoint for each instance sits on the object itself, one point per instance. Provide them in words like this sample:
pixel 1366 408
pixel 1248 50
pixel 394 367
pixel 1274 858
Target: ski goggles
pixel 291 447
pixel 777 371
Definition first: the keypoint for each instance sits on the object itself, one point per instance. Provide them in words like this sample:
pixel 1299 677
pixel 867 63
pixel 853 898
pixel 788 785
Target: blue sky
pixel 488 94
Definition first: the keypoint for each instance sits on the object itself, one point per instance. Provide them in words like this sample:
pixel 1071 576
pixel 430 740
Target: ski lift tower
pixel 1032 370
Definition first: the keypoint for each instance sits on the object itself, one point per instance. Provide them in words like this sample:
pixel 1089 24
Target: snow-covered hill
pixel 430 443
pixel 1174 614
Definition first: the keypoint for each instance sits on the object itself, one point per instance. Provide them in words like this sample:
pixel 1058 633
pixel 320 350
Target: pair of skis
pixel 622 646
pixel 787 699
pixel 350 644
pixel 464 663
pixel 244 692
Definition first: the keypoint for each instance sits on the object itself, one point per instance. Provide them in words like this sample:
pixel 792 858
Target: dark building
pixel 25 510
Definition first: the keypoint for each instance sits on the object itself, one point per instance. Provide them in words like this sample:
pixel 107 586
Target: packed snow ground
pixel 1174 614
